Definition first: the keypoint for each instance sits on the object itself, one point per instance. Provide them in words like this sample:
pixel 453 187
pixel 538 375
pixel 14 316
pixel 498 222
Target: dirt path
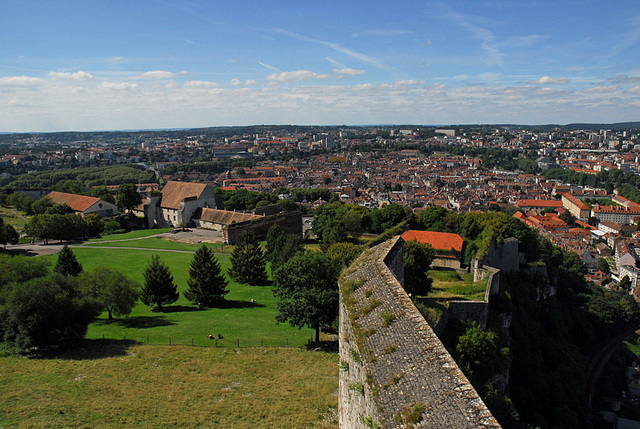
pixel 192 237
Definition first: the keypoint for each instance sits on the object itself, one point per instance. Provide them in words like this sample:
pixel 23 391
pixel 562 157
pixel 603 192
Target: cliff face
pixel 394 371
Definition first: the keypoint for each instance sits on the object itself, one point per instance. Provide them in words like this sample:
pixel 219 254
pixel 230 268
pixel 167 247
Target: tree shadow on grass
pixel 138 322
pixel 85 349
pixel 323 346
pixel 178 309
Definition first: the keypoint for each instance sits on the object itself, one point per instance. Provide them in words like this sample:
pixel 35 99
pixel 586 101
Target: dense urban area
pixel 570 195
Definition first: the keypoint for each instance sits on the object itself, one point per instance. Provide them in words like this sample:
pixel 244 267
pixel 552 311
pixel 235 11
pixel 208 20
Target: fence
pixel 214 341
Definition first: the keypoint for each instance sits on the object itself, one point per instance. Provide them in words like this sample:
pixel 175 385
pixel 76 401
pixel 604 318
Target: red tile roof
pixel 175 192
pixel 437 240
pixel 78 203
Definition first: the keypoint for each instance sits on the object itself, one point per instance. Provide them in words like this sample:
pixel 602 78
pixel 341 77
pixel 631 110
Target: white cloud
pixel 346 51
pixel 156 74
pixel 600 89
pixel 201 84
pixel 248 82
pixel 296 76
pixel 336 64
pixel 267 66
pixel 410 82
pixel 548 80
pixel 118 86
pixel 50 105
pixel 622 79
pixel 350 72
pixel 79 75
pixel 20 81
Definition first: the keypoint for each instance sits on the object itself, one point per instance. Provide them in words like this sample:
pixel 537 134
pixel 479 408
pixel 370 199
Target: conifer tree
pixel 159 288
pixel 292 245
pixel 248 264
pixel 275 242
pixel 67 263
pixel 207 284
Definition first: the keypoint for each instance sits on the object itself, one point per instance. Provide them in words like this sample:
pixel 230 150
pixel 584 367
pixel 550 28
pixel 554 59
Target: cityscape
pixel 320 215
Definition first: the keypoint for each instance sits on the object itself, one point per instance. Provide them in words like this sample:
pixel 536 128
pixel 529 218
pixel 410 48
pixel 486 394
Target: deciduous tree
pixel 128 196
pixel 417 261
pixel 46 310
pixel 307 287
pixel 207 284
pixel 8 235
pixel 116 293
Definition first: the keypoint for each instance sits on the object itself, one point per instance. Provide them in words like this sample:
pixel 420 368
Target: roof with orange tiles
pixel 575 201
pixel 175 192
pixel 78 203
pixel 539 203
pixel 437 240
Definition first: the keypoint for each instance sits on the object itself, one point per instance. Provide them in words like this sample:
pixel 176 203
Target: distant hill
pixel 212 132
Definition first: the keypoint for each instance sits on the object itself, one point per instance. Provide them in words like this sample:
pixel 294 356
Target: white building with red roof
pixel 83 204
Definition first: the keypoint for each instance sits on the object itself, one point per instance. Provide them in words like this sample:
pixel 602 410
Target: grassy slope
pixel 12 217
pixel 448 285
pixel 162 386
pixel 252 325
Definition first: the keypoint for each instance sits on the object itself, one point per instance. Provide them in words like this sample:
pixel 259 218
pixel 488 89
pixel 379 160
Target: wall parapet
pixel 394 371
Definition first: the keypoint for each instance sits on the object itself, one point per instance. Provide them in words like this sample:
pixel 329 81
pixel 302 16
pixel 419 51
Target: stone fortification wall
pixel 450 263
pixel 394 371
pixel 477 311
pixel 504 256
pixel 291 223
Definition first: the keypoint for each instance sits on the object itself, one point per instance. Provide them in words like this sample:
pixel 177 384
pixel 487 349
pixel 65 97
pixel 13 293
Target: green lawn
pixel 449 285
pixel 116 384
pixel 132 234
pixel 241 323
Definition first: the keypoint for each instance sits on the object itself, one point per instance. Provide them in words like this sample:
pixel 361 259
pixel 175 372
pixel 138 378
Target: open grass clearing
pixel 113 384
pixel 242 323
pixel 12 217
pixel 131 235
pixel 151 243
pixel 450 285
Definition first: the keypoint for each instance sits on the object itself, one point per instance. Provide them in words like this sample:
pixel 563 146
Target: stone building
pixel 177 204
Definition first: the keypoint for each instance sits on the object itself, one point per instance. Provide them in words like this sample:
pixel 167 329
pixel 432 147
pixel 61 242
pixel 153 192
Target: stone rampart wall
pixel 394 371
pixel 444 262
pixel 291 223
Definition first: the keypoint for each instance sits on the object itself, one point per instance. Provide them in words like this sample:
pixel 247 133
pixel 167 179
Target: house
pixel 178 204
pixel 83 204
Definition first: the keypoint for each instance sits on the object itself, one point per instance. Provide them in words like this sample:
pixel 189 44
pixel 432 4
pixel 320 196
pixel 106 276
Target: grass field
pixel 242 323
pixel 131 235
pixel 113 384
pixel 11 216
pixel 449 285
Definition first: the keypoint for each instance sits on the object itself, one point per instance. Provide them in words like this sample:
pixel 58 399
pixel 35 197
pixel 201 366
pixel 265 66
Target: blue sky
pixel 108 65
